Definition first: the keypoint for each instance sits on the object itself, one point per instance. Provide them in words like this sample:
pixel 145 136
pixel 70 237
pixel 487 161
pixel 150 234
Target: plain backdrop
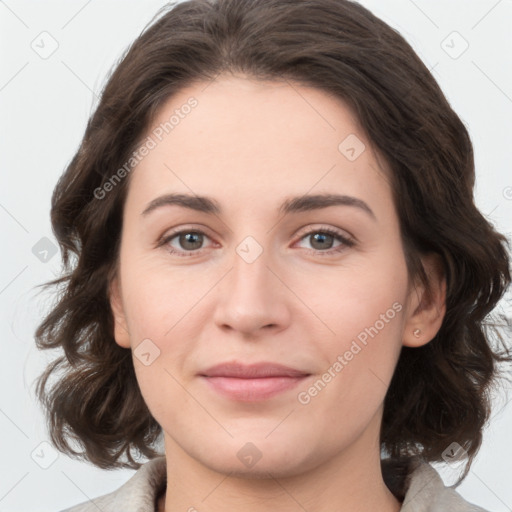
pixel 55 56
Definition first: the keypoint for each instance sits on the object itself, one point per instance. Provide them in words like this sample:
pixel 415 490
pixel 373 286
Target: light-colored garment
pixel 426 492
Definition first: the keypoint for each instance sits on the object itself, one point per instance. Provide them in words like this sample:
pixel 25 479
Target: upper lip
pixel 252 371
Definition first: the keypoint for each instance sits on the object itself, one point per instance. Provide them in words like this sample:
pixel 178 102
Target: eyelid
pixel 323 228
pixel 198 228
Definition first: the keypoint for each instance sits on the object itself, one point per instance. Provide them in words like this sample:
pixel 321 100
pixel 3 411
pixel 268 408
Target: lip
pixel 252 371
pixel 254 382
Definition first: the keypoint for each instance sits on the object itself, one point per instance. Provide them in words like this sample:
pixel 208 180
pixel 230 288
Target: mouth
pixel 250 383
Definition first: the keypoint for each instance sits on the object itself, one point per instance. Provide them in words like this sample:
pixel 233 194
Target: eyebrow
pixel 291 205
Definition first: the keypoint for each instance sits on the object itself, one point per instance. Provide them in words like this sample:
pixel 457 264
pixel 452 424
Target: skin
pixel 250 145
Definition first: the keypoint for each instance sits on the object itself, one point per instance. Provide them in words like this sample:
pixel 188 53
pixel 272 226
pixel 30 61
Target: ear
pixel 426 309
pixel 121 333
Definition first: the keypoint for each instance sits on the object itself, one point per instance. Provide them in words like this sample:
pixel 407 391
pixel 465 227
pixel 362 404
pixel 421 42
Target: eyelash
pixel 346 241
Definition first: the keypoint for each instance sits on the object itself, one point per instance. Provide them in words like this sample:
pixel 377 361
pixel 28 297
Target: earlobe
pixel 427 308
pixel 121 333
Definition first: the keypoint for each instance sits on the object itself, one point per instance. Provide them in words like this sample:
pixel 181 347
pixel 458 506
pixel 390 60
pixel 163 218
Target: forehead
pixel 252 139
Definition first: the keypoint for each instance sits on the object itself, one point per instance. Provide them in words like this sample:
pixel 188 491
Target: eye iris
pixel 191 238
pixel 322 237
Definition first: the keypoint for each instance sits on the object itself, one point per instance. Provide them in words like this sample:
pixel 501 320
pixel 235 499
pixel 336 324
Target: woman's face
pixel 259 280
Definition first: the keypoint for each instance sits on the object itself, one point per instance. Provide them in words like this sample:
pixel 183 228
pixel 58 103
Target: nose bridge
pixel 251 295
pixel 250 267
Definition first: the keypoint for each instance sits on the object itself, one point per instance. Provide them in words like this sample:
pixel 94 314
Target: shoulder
pixel 137 494
pixel 426 492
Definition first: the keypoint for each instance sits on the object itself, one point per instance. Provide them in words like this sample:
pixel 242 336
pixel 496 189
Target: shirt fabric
pixel 425 492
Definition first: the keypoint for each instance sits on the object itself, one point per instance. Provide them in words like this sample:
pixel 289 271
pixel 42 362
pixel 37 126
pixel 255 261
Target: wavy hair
pixel 439 392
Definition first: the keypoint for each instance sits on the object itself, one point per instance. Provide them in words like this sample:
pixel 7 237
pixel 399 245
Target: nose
pixel 252 298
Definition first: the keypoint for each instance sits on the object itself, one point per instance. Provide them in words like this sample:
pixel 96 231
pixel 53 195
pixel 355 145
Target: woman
pixel 281 271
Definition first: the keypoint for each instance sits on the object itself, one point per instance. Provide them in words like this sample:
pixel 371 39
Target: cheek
pixel 367 294
pixel 364 310
pixel 160 306
pixel 159 388
pixel 159 299
pixel 359 364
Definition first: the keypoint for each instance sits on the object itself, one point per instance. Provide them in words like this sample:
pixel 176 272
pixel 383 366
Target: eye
pixel 322 239
pixel 188 241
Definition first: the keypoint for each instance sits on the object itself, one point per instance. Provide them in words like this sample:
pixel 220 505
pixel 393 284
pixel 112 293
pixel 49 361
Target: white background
pixel 44 105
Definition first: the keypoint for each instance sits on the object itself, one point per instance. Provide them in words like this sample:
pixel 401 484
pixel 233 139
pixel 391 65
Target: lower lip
pixel 251 390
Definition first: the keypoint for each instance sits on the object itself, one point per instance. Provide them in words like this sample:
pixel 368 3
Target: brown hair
pixel 440 392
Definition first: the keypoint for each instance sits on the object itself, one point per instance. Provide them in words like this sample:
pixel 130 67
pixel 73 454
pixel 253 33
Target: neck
pixel 382 500
pixel 350 480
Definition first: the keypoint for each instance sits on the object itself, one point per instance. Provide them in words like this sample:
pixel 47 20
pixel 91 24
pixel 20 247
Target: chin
pixel 261 459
